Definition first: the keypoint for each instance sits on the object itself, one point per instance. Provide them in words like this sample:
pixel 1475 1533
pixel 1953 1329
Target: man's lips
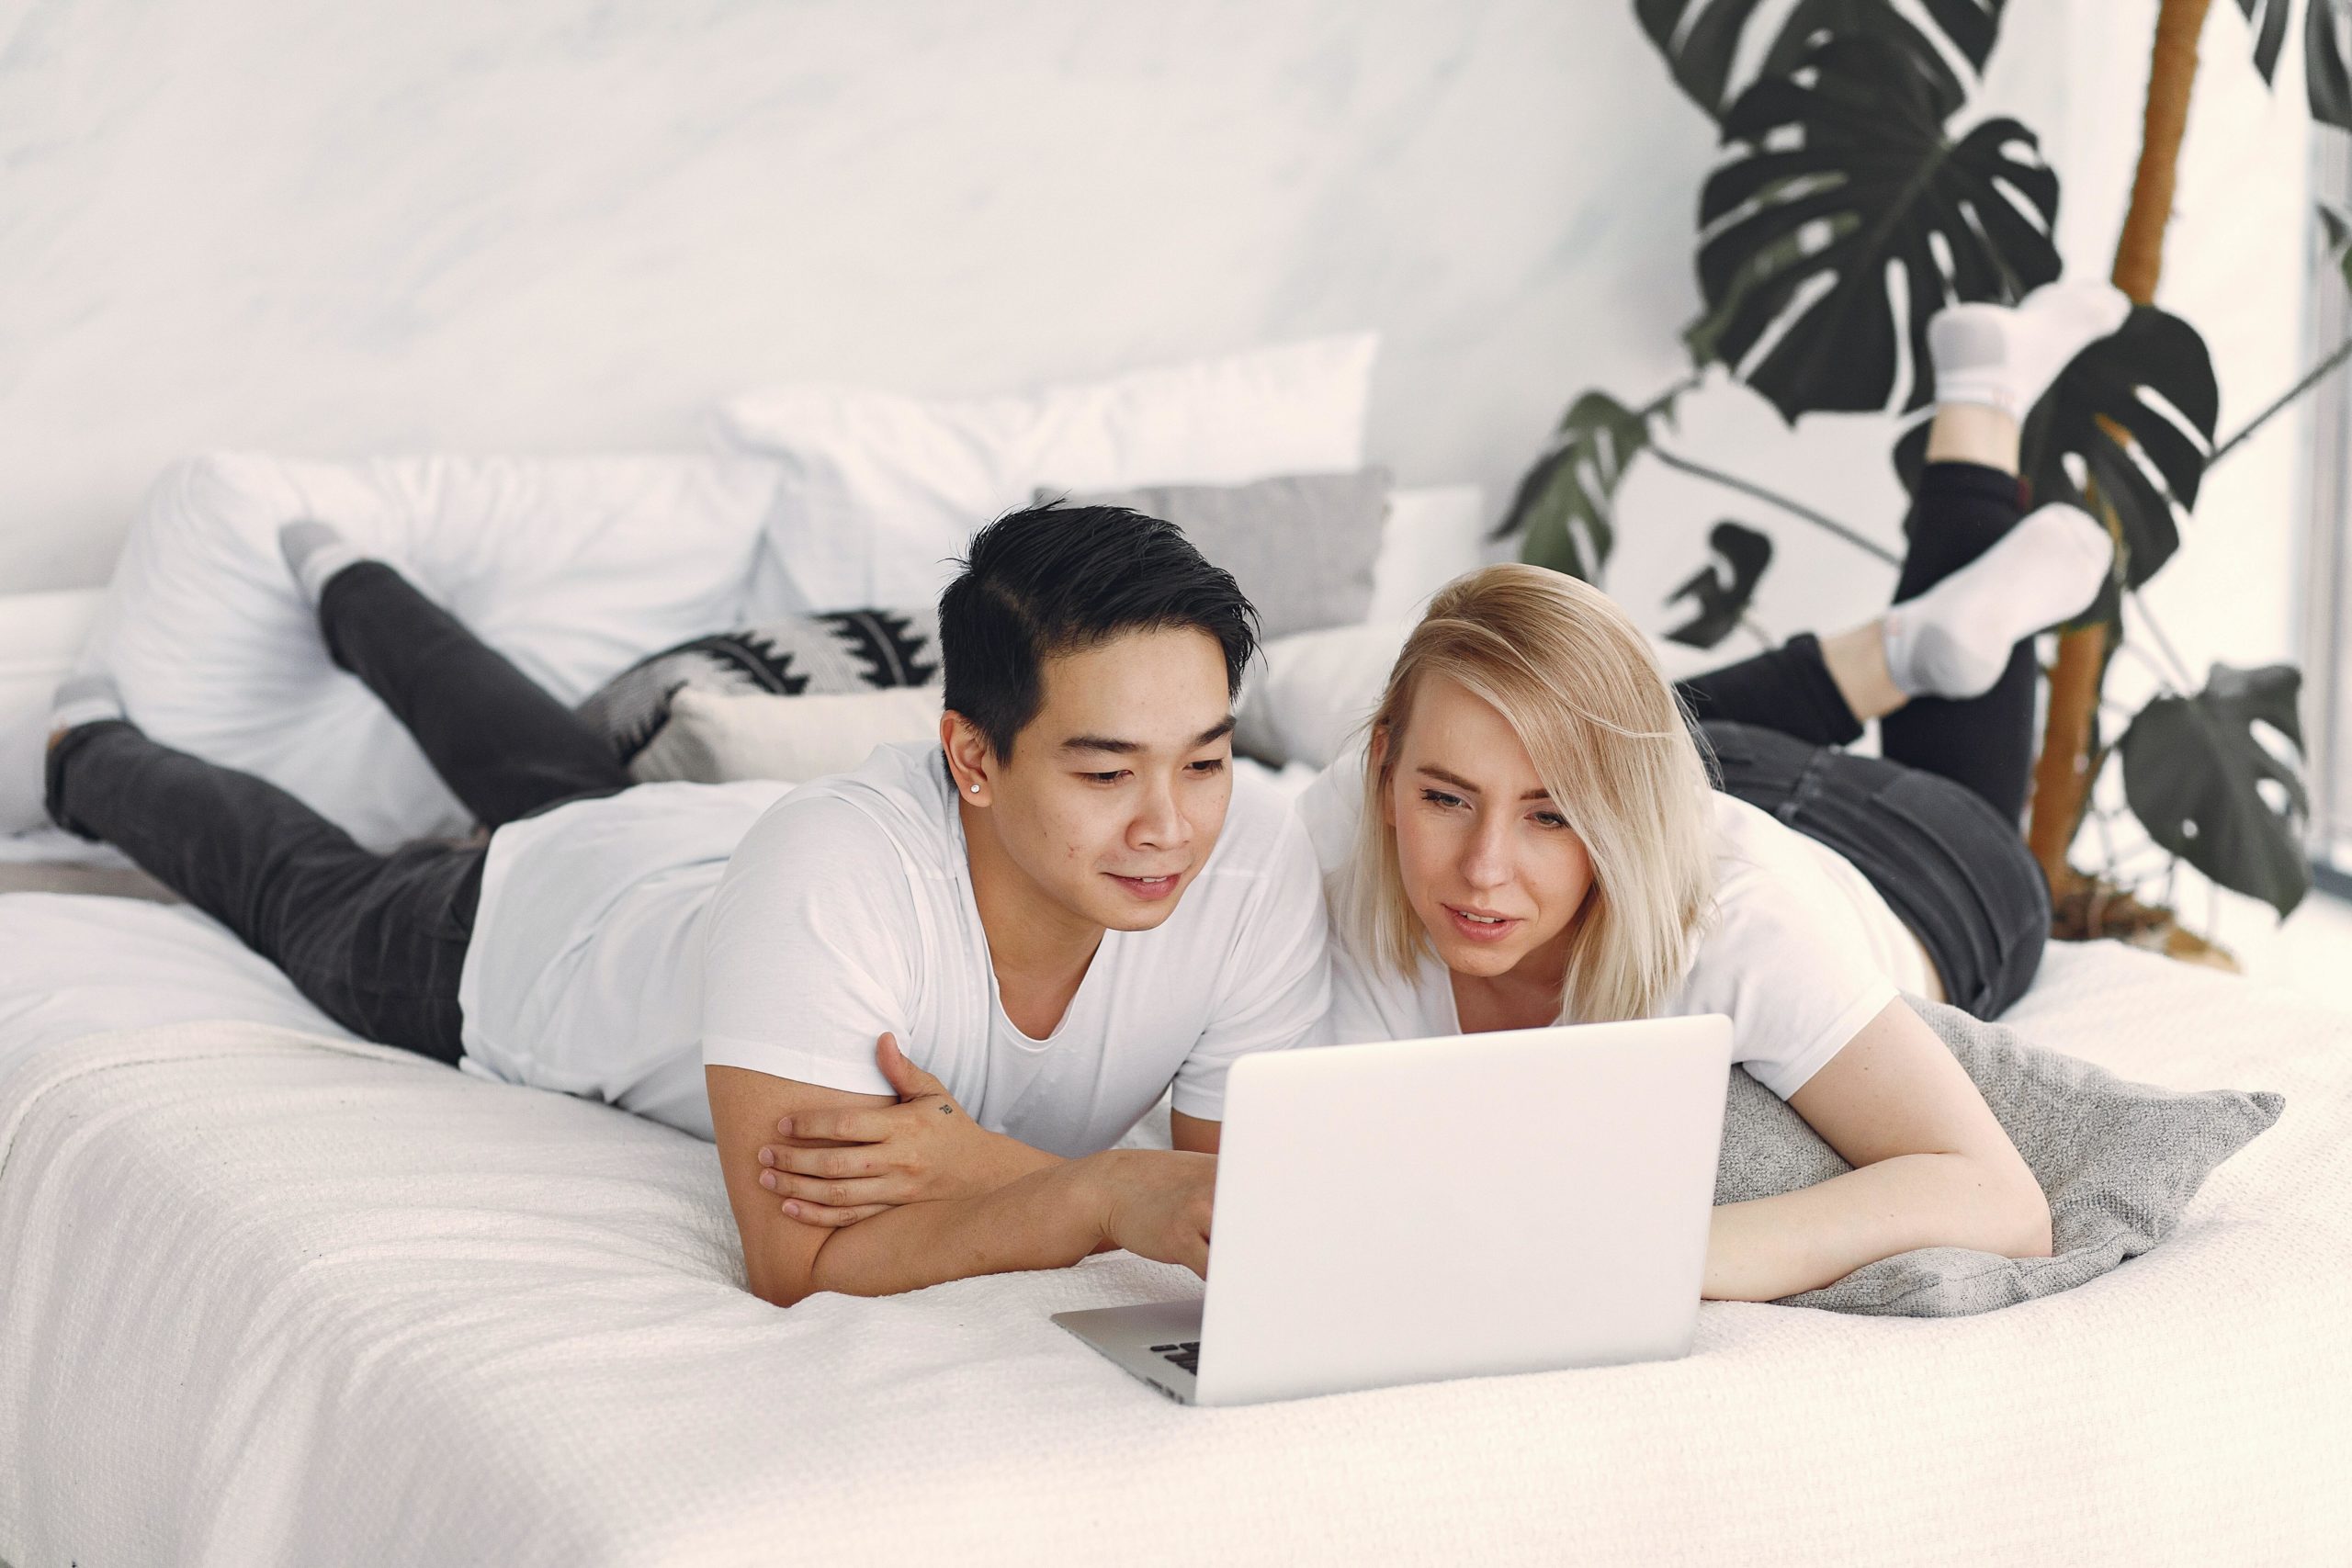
pixel 1480 925
pixel 1148 888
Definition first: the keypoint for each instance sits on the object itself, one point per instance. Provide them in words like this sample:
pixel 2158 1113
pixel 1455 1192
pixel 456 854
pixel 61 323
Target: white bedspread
pixel 273 1298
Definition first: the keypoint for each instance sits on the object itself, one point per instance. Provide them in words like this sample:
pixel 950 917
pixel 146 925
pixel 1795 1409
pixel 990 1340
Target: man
pixel 1062 907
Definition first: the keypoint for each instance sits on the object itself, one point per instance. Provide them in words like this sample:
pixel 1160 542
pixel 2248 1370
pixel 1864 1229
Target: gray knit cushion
pixel 2118 1162
pixel 1301 548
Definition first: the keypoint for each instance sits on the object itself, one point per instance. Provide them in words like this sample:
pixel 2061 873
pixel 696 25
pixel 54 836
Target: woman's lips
pixel 1474 929
pixel 1150 889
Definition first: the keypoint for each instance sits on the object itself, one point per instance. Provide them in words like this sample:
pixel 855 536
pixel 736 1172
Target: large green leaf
pixel 2108 388
pixel 1567 505
pixel 2327 52
pixel 1843 176
pixel 2268 20
pixel 2327 61
pixel 2193 772
pixel 1702 39
pixel 1720 592
pixel 2151 476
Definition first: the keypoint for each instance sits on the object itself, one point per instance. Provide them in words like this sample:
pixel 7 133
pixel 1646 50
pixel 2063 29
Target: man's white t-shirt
pixel 623 942
pixel 1802 952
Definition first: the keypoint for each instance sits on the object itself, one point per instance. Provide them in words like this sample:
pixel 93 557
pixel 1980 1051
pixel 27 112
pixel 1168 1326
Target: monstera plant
pixel 1840 170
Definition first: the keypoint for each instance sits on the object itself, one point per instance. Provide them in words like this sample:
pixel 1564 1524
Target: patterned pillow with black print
pixel 843 652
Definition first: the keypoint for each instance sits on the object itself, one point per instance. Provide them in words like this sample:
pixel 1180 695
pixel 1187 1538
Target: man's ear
pixel 970 758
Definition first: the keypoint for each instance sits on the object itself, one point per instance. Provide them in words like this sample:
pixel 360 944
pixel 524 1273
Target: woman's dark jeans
pixel 1949 865
pixel 1932 824
pixel 377 941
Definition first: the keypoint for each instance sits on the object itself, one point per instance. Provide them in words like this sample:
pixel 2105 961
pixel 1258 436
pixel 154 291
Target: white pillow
pixel 1305 697
pixel 881 491
pixel 1433 535
pixel 718 738
pixel 574 567
pixel 39 635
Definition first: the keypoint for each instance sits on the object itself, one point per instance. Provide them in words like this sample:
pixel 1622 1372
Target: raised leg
pixel 501 744
pixel 1792 689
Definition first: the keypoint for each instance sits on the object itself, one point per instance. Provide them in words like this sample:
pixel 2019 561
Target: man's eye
pixel 1114 776
pixel 1209 766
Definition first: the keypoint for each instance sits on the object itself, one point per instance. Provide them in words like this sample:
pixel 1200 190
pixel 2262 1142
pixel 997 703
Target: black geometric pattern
pixel 845 650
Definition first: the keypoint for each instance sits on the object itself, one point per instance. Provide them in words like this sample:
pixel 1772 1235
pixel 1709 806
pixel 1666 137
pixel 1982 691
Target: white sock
pixel 2005 358
pixel 1954 639
pixel 85 699
pixel 315 552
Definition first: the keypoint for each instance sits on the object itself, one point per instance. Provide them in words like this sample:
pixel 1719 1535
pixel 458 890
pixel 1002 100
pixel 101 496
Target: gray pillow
pixel 1302 548
pixel 2118 1162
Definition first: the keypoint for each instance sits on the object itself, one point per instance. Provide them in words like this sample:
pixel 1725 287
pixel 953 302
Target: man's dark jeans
pixel 377 941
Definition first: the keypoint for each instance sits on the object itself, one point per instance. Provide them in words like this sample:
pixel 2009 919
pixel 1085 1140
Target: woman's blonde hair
pixel 1580 687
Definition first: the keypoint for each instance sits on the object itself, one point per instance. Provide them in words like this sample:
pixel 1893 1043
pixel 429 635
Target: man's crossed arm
pixel 994 1204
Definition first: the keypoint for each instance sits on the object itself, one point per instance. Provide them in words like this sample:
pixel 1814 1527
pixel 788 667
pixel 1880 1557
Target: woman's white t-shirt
pixel 1803 951
pixel 621 943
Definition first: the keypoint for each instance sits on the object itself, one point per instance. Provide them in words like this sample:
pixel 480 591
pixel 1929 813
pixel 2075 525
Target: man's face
pixel 1116 790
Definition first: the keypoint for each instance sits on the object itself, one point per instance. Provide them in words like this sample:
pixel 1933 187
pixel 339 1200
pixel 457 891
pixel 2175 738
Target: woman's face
pixel 1489 863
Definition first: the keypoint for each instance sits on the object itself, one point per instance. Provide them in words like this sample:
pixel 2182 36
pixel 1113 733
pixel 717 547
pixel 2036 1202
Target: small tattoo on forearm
pixel 947 1110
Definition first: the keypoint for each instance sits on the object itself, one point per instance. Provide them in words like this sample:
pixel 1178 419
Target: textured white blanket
pixel 270 1299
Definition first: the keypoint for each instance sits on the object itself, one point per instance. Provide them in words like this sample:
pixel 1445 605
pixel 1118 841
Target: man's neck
pixel 1039 949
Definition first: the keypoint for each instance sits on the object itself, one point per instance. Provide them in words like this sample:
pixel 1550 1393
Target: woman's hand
pixel 836 1168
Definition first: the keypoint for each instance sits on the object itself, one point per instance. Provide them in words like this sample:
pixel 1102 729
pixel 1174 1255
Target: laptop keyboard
pixel 1185 1354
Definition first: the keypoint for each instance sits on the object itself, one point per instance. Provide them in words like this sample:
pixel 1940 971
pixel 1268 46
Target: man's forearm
pixel 1047 1219
pixel 1014 1159
pixel 1769 1248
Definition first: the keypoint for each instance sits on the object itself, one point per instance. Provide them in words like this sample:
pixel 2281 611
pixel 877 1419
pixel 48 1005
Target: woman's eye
pixel 1551 820
pixel 1439 797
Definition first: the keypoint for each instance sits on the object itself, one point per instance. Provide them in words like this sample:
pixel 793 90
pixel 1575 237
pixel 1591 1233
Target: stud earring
pixel 976 789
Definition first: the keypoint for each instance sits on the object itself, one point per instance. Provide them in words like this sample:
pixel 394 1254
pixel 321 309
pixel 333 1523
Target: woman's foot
pixel 1954 640
pixel 2005 357
pixel 82 699
pixel 314 552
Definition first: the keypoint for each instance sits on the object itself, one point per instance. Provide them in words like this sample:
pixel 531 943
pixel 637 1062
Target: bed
pixel 270 1294
pixel 279 1296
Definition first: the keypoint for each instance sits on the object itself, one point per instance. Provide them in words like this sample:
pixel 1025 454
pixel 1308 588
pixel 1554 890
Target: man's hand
pixel 1157 1203
pixel 836 1168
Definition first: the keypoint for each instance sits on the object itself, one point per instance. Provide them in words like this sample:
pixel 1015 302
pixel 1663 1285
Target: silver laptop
pixel 1423 1208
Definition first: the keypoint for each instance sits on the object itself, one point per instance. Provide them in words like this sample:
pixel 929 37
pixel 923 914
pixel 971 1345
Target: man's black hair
pixel 1054 578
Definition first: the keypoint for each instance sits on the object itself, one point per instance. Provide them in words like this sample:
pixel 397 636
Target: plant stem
pixel 2319 373
pixel 2188 681
pixel 2064 772
pixel 1794 509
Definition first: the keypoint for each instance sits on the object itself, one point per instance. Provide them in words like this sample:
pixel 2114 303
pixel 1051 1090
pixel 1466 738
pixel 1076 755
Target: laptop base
pixel 1158 1342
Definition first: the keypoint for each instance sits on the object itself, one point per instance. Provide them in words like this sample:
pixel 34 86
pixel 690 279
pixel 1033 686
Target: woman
pixel 1532 837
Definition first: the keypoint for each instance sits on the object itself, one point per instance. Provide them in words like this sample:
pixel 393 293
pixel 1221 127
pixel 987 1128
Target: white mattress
pixel 75 966
pixel 268 1300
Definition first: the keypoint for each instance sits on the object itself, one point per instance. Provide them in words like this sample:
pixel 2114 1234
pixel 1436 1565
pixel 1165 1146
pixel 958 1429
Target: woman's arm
pixel 1932 1168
